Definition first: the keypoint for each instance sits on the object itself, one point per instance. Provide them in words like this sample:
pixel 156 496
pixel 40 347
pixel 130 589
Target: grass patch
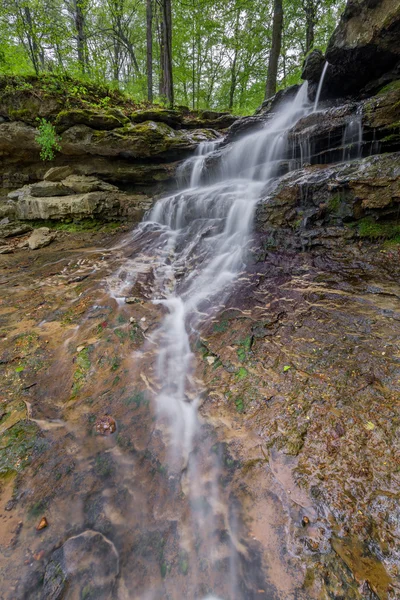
pixel 374 230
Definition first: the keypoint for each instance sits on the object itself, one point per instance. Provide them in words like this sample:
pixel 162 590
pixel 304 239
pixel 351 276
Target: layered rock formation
pixel 123 145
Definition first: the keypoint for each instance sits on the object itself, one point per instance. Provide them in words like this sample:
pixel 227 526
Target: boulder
pixel 364 46
pixel 40 238
pixel 94 118
pixel 94 199
pixel 83 184
pixel 313 66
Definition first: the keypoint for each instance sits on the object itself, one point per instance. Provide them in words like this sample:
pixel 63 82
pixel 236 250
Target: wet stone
pixel 88 561
pixel 105 425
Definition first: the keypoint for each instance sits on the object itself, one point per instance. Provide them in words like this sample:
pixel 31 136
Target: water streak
pixel 320 84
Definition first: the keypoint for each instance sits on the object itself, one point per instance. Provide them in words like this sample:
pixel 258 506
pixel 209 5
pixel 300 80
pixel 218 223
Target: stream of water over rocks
pixel 234 378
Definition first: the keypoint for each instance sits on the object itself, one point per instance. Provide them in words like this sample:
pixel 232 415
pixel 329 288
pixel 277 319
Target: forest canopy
pixel 200 53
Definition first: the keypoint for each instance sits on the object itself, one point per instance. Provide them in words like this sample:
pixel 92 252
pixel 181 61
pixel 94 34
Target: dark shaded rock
pixel 364 46
pixel 313 66
pixel 271 104
pixel 243 126
pixel 307 200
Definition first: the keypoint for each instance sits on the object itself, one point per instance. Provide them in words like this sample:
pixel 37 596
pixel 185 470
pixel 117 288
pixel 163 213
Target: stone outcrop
pixel 120 143
pixel 364 46
pixel 77 198
pixel 312 206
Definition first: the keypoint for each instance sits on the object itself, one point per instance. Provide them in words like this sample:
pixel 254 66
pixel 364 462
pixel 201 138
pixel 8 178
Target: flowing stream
pixel 195 243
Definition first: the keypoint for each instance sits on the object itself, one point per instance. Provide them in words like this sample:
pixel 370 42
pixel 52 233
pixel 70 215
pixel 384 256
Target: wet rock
pixel 332 196
pixel 40 238
pixel 271 104
pixel 58 173
pixel 105 425
pixel 86 561
pixel 313 66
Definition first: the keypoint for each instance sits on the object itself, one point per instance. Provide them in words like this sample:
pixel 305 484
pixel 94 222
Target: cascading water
pixel 195 242
pixel 320 84
pixel 353 138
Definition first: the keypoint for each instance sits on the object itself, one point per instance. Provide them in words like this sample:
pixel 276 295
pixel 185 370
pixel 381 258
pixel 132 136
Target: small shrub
pixel 47 139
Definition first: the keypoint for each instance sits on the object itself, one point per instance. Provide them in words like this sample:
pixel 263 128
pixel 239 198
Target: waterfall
pixel 353 138
pixel 195 241
pixel 320 84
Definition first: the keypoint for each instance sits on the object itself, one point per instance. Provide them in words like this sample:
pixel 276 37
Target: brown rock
pixel 105 425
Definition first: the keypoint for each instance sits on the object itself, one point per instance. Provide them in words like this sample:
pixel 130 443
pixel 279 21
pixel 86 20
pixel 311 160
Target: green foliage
pixel 220 48
pixel 47 139
pixel 375 230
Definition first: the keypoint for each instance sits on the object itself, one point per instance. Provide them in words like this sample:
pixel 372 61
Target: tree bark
pixel 80 34
pixel 166 87
pixel 234 63
pixel 32 42
pixel 310 10
pixel 149 49
pixel 277 26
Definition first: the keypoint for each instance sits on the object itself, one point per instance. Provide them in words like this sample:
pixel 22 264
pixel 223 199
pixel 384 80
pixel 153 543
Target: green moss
pixel 375 230
pixel 239 405
pixel 138 398
pixel 334 203
pixel 242 373
pixel 17 446
pixel 390 87
pixel 221 326
pixel 78 226
pixel 83 365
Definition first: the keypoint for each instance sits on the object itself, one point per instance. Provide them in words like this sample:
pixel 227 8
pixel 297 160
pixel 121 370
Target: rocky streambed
pixel 298 372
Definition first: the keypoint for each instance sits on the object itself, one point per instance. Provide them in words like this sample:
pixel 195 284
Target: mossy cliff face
pixel 102 132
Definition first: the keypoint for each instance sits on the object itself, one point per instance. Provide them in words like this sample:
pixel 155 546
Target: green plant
pixel 47 139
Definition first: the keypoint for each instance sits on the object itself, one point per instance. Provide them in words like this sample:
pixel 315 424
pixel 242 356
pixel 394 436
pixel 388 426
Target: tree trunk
pixel 149 49
pixel 310 9
pixel 234 62
pixel 80 34
pixel 32 43
pixel 167 88
pixel 277 26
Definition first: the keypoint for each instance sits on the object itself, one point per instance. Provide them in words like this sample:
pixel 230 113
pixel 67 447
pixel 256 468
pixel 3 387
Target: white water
pixel 320 84
pixel 195 244
pixel 353 138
